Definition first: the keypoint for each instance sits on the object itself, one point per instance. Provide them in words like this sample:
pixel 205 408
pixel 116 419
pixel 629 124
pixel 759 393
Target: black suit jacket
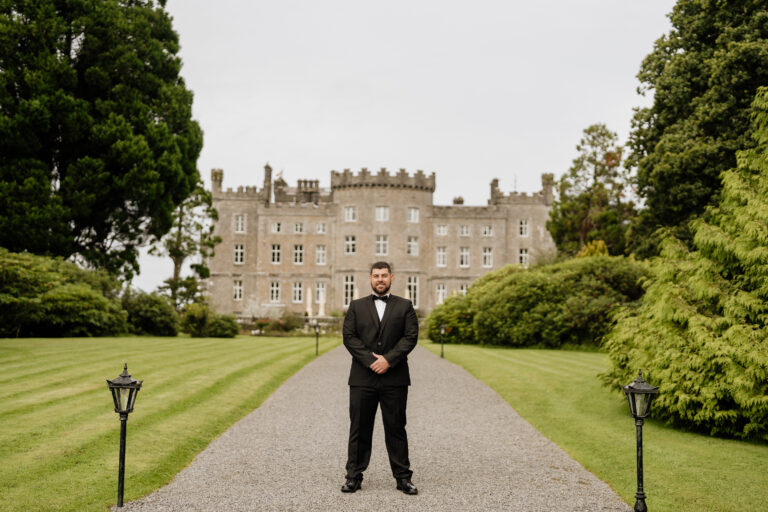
pixel 394 338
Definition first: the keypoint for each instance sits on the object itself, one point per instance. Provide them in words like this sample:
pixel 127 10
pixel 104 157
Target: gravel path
pixel 469 450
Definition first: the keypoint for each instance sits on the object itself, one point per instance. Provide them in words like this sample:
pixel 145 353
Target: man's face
pixel 381 280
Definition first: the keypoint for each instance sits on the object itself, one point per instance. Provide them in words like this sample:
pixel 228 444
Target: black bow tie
pixel 383 299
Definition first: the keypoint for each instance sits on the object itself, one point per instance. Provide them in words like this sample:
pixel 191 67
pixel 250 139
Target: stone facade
pixel 309 249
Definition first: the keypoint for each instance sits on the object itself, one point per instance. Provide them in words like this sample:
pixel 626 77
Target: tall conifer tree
pixel 703 76
pixel 701 333
pixel 97 141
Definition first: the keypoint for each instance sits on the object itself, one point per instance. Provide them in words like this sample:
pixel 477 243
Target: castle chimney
pixel 547 182
pixel 267 184
pixel 217 177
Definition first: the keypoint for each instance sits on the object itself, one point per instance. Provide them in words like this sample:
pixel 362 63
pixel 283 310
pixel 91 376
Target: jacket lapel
pixel 372 311
pixel 387 313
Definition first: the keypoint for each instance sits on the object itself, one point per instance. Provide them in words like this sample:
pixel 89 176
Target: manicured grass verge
pixel 559 393
pixel 59 435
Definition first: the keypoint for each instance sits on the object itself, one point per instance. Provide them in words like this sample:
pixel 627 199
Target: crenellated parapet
pixel 217 178
pixel 544 196
pixel 346 179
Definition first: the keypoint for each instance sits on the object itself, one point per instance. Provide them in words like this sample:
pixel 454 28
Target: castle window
pixel 349 289
pixel 350 213
pixel 441 230
pixel 239 254
pixel 524 231
pixel 487 230
pixel 320 255
pixel 464 230
pixel 464 257
pixel 487 257
pixel 277 227
pixel 298 292
pixel 440 293
pixel 320 293
pixel 240 223
pixel 382 213
pixel 412 290
pixel 320 228
pixel 298 227
pixel 350 244
pixel 463 289
pixel 298 254
pixel 382 245
pixel 524 257
pixel 412 246
pixel 274 291
pixel 413 214
pixel 275 253
pixel 237 290
pixel 441 257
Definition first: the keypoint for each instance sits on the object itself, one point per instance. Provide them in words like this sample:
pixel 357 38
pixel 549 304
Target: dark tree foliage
pixel 701 333
pixel 97 143
pixel 593 202
pixel 703 76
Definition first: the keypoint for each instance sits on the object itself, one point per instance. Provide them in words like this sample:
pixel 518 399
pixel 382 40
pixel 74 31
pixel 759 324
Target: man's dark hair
pixel 380 265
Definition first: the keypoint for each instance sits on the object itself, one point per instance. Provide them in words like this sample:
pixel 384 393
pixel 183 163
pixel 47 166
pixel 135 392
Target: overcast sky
pixel 469 90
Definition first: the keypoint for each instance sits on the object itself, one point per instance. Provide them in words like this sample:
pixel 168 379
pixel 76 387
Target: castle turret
pixel 547 183
pixel 267 184
pixel 217 177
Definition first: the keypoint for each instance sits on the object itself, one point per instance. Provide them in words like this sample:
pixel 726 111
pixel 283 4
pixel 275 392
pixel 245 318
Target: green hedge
pixel 551 305
pixel 41 296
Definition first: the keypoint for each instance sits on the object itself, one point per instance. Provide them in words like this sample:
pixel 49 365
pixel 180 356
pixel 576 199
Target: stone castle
pixel 309 249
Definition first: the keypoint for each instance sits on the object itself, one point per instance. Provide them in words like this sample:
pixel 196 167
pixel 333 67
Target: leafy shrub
pixel 199 321
pixel 223 326
pixel 701 333
pixel 196 319
pixel 286 323
pixel 42 296
pixel 550 305
pixel 149 313
pixel 78 310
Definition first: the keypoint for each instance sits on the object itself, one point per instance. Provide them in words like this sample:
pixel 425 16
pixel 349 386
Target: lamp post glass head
pixel 639 395
pixel 442 330
pixel 124 389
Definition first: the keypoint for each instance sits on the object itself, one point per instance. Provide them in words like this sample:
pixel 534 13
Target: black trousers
pixel 363 402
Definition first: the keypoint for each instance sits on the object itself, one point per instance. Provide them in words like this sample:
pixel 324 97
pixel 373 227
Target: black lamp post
pixel 317 336
pixel 124 390
pixel 442 334
pixel 640 394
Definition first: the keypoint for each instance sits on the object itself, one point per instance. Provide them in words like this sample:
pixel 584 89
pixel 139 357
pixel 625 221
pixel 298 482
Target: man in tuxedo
pixel 379 331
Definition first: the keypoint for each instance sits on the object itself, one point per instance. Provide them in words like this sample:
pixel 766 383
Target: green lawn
pixel 59 434
pixel 559 393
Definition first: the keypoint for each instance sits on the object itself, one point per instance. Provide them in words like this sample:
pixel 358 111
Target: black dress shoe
pixel 351 485
pixel 405 485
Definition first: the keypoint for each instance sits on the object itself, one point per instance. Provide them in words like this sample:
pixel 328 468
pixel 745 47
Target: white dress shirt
pixel 381 306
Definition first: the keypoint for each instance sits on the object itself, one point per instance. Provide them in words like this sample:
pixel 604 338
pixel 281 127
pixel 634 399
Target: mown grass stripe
pixel 86 448
pixel 54 365
pixel 202 361
pixel 141 482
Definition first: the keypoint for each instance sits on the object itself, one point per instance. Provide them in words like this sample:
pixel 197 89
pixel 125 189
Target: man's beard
pixel 377 292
